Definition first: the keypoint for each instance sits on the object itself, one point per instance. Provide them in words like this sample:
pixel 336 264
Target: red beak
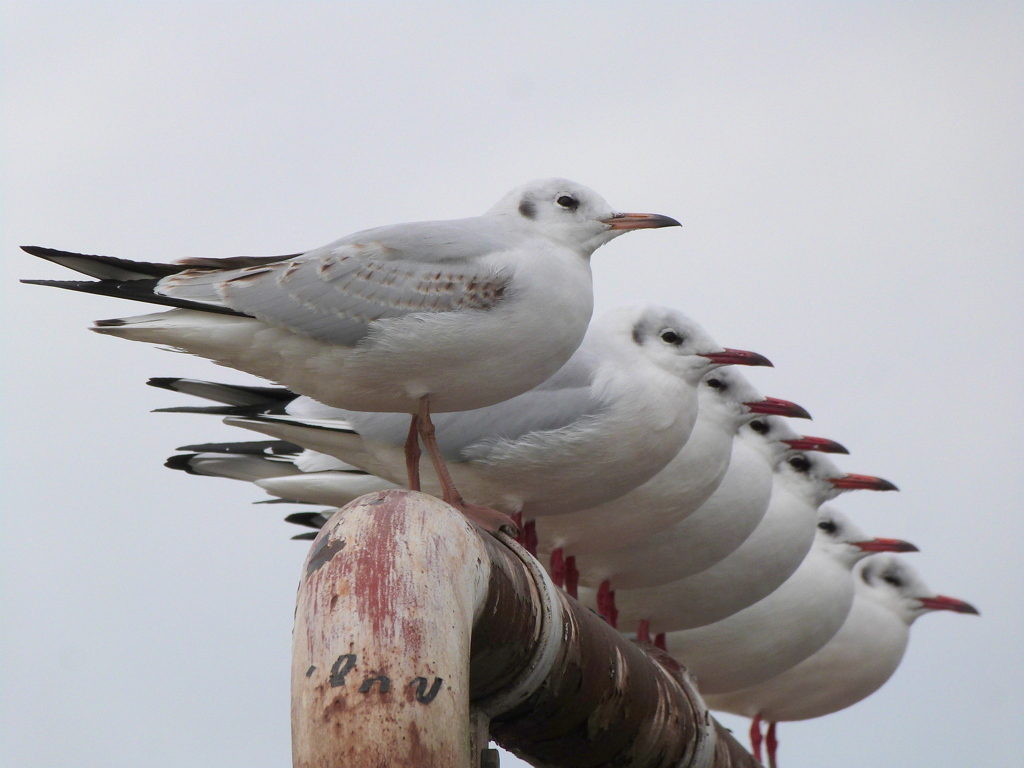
pixel 640 221
pixel 821 444
pixel 853 482
pixel 778 407
pixel 738 357
pixel 885 545
pixel 943 603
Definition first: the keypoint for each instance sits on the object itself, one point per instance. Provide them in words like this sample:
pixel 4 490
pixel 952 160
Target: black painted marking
pixel 341 668
pixel 528 209
pixel 367 686
pixel 310 671
pixel 323 553
pixel 423 696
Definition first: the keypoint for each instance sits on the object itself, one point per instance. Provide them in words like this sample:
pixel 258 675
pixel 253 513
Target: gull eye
pixel 671 337
pixel 761 427
pixel 827 526
pixel 716 384
pixel 568 202
pixel 800 463
pixel 894 580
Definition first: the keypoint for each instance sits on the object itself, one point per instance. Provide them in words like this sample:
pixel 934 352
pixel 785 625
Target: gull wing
pixel 333 293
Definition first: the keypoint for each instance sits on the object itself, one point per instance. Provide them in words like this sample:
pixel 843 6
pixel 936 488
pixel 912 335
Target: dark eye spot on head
pixel 761 427
pixel 568 202
pixel 896 581
pixel 527 209
pixel 800 463
pixel 671 337
pixel 716 384
pixel 638 334
pixel 827 526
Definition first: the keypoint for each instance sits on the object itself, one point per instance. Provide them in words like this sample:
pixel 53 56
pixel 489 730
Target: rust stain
pixel 334 710
pixel 419 754
pixel 382 593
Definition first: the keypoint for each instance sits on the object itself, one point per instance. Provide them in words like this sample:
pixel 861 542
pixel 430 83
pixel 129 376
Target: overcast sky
pixel 850 179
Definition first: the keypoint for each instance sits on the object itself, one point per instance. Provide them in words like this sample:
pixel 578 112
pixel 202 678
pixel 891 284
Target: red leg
pixel 412 453
pixel 659 641
pixel 489 519
pixel 771 745
pixel 530 537
pixel 572 578
pixel 606 603
pixel 643 632
pixel 556 567
pixel 755 737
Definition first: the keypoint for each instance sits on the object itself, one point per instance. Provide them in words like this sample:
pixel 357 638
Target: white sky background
pixel 850 178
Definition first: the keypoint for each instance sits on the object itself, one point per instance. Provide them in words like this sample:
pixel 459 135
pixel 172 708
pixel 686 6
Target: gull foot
pixel 489 519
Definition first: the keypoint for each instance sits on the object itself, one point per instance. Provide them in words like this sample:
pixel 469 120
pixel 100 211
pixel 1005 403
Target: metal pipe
pixel 417 637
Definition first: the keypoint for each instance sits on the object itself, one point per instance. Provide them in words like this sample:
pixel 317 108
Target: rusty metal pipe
pixel 417 635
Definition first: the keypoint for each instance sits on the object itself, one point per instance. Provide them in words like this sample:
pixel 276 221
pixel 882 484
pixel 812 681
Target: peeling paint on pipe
pixel 414 628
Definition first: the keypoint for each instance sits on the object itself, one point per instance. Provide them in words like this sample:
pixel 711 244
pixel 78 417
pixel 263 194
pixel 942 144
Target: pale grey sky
pixel 850 179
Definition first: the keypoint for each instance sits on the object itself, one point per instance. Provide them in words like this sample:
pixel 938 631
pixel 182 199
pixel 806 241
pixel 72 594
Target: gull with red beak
pixel 417 318
pixel 889 597
pixel 727 401
pixel 611 418
pixel 788 625
pixel 768 546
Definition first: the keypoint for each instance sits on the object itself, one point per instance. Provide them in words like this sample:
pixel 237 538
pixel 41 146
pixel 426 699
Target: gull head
pixel 839 538
pixel 669 340
pixel 776 431
pixel 570 215
pixel 731 389
pixel 725 395
pixel 816 479
pixel 890 581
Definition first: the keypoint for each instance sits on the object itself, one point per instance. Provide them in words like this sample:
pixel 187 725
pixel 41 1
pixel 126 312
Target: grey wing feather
pixel 564 399
pixel 333 293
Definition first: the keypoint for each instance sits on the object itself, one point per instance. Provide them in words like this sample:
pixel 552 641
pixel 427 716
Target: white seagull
pixel 700 537
pixel 614 415
pixel 594 540
pixel 762 561
pixel 788 625
pixel 889 596
pixel 418 317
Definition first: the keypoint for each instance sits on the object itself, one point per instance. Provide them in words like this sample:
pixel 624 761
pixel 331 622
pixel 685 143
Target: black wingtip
pixel 113 322
pixel 38 250
pixel 164 382
pixel 306 536
pixel 182 461
pixel 247 448
pixel 308 519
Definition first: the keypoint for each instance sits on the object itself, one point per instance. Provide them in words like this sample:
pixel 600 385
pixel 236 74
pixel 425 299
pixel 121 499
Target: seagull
pixel 282 469
pixel 761 562
pixel 415 318
pixel 702 536
pixel 889 596
pixel 727 402
pixel 615 414
pixel 788 625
